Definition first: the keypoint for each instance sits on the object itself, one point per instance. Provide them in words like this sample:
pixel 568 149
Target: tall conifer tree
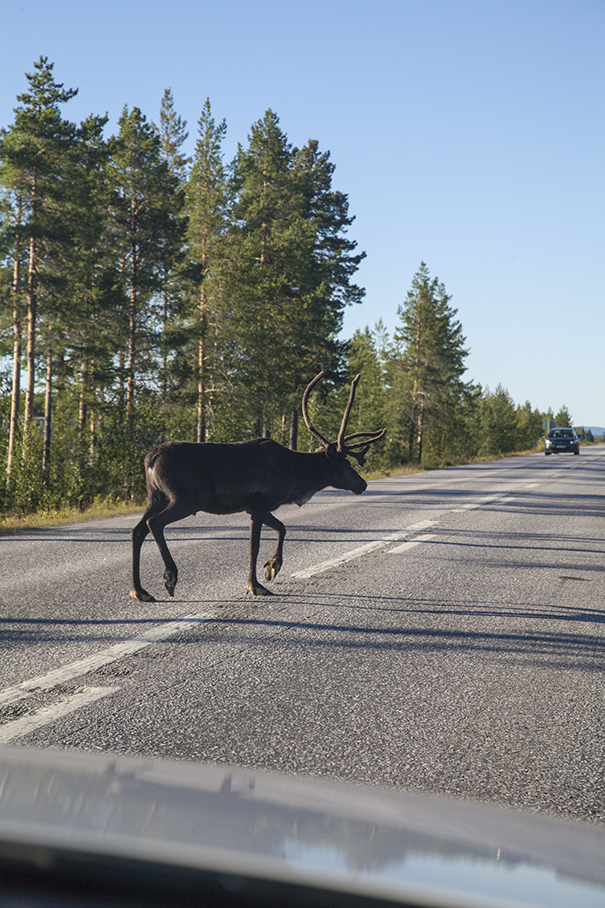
pixel 208 205
pixel 433 356
pixel 34 157
pixel 289 270
pixel 262 246
pixel 173 134
pixel 92 298
pixel 148 230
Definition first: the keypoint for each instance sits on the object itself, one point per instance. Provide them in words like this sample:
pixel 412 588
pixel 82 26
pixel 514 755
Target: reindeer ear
pixel 360 456
pixel 332 450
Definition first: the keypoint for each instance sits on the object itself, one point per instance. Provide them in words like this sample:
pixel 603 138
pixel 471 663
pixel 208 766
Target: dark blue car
pixel 561 440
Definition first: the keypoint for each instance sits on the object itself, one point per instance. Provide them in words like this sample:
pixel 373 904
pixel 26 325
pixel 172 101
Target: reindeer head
pixel 343 445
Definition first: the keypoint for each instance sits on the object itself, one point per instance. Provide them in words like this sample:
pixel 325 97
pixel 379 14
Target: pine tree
pixel 34 158
pixel 499 422
pixel 173 135
pixel 92 297
pixel 288 275
pixel 12 248
pixel 529 426
pixel 148 233
pixel 369 355
pixel 433 356
pixel 262 242
pixel 208 209
pixel 563 417
pixel 326 269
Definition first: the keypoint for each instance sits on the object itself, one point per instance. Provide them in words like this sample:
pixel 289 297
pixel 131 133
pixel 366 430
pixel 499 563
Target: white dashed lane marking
pixel 16 728
pixel 43 716
pixel 104 657
pixel 406 546
pixel 361 550
pixel 478 503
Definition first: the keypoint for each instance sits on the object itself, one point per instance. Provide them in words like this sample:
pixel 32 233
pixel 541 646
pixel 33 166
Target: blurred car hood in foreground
pixel 104 828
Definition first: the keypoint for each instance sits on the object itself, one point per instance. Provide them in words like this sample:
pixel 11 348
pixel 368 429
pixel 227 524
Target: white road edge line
pixel 105 656
pixel 406 546
pixel 43 716
pixel 361 550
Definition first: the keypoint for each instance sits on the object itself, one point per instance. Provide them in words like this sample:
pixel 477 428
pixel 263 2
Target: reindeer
pixel 254 476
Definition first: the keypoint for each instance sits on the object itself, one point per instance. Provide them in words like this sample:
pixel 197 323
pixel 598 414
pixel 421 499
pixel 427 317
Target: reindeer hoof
pixel 170 582
pixel 258 590
pixel 141 596
pixel 272 568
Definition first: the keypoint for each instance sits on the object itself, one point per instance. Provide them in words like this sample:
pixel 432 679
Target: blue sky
pixel 468 134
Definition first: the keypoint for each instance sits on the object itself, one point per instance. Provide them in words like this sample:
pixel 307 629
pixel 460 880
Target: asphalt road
pixel 444 632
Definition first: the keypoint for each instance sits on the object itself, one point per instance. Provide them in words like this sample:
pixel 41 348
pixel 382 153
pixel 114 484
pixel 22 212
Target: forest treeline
pixel 146 296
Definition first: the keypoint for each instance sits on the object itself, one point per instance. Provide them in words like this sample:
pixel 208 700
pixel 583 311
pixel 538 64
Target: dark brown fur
pixel 255 477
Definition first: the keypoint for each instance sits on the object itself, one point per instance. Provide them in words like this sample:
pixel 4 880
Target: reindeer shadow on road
pixel 565 648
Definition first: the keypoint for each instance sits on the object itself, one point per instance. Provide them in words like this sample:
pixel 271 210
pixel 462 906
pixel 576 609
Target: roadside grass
pixel 18 523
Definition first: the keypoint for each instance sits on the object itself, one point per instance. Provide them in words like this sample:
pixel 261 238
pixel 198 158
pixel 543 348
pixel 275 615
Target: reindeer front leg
pixel 273 565
pixel 254 587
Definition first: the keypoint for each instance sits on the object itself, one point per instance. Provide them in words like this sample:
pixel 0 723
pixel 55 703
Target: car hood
pixel 261 834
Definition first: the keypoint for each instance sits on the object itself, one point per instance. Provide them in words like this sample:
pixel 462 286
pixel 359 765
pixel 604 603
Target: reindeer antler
pixel 345 418
pixel 305 413
pixel 359 449
pixel 370 436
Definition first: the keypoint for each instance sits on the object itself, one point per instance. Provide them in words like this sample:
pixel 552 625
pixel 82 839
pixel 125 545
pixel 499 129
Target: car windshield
pixel 561 433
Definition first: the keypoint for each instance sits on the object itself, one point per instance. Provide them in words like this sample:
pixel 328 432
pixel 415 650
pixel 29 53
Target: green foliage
pixel 172 134
pixel 369 355
pixel 432 354
pixel 563 417
pixel 529 426
pixel 498 422
pixel 149 297
pixel 208 200
pixel 287 273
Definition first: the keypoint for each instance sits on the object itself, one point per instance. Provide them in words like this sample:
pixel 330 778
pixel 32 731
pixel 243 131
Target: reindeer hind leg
pixel 138 536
